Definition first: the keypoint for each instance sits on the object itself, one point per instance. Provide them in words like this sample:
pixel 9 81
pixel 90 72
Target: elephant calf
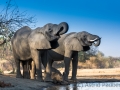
pixel 57 77
pixel 69 45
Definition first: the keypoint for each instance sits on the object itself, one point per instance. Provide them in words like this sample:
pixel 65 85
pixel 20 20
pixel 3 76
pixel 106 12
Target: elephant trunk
pixel 97 42
pixel 63 28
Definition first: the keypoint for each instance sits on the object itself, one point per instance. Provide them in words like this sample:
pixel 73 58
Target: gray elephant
pixel 29 45
pixel 69 45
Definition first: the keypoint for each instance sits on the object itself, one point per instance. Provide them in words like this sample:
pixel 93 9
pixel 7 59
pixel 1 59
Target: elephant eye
pixel 49 29
pixel 84 36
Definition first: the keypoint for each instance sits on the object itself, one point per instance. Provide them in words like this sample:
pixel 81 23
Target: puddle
pixel 88 86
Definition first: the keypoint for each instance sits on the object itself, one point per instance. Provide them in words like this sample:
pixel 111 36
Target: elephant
pixel 69 45
pixel 26 65
pixel 57 77
pixel 29 45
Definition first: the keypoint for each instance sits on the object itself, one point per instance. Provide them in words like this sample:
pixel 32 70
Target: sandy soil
pixel 22 84
pixel 83 75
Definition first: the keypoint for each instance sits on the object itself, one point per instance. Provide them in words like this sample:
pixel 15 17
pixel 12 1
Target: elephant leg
pixel 44 59
pixel 26 69
pixel 17 61
pixel 18 72
pixel 36 56
pixel 74 66
pixel 67 59
pixel 47 75
pixel 32 71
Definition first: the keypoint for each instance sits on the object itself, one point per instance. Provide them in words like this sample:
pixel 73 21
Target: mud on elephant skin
pixel 28 44
pixel 69 45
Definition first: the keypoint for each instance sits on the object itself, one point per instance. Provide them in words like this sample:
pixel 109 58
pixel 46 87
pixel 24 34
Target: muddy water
pixel 88 86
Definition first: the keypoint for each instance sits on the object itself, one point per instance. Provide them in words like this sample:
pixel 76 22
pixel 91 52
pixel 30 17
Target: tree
pixel 83 56
pixel 11 19
pixel 93 51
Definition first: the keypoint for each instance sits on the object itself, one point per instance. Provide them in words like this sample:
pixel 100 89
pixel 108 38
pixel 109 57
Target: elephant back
pixel 22 32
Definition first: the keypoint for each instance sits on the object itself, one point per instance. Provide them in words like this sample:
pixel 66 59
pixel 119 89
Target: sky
pixel 99 17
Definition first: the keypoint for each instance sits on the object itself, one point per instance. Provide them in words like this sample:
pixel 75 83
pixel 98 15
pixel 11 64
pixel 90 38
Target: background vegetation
pixel 11 18
pixel 93 59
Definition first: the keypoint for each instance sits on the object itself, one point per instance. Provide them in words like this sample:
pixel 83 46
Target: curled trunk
pixel 97 42
pixel 63 28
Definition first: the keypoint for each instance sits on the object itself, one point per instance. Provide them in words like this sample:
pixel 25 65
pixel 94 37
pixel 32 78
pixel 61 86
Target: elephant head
pixel 53 31
pixel 42 37
pixel 87 39
pixel 82 41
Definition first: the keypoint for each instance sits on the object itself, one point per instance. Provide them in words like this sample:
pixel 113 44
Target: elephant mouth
pixel 55 37
pixel 57 34
pixel 95 41
pixel 51 37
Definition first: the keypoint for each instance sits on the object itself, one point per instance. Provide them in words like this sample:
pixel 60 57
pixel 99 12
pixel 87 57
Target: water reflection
pixel 88 86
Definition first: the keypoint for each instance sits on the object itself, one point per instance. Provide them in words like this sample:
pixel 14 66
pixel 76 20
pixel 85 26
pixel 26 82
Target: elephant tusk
pixel 93 40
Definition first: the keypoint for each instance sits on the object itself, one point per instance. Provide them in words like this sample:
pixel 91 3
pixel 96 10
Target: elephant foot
pixel 73 80
pixel 19 76
pixel 64 83
pixel 65 77
pixel 39 79
pixel 26 76
pixel 32 77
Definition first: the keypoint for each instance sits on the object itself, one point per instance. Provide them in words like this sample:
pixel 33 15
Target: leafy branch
pixel 11 19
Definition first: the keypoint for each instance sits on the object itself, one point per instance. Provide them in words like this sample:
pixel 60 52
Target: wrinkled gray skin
pixel 29 45
pixel 69 45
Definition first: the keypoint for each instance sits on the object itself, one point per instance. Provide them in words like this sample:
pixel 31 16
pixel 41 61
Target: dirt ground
pixel 83 75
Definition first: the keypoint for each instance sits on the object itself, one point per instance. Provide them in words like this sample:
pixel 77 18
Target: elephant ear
pixel 39 41
pixel 73 44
